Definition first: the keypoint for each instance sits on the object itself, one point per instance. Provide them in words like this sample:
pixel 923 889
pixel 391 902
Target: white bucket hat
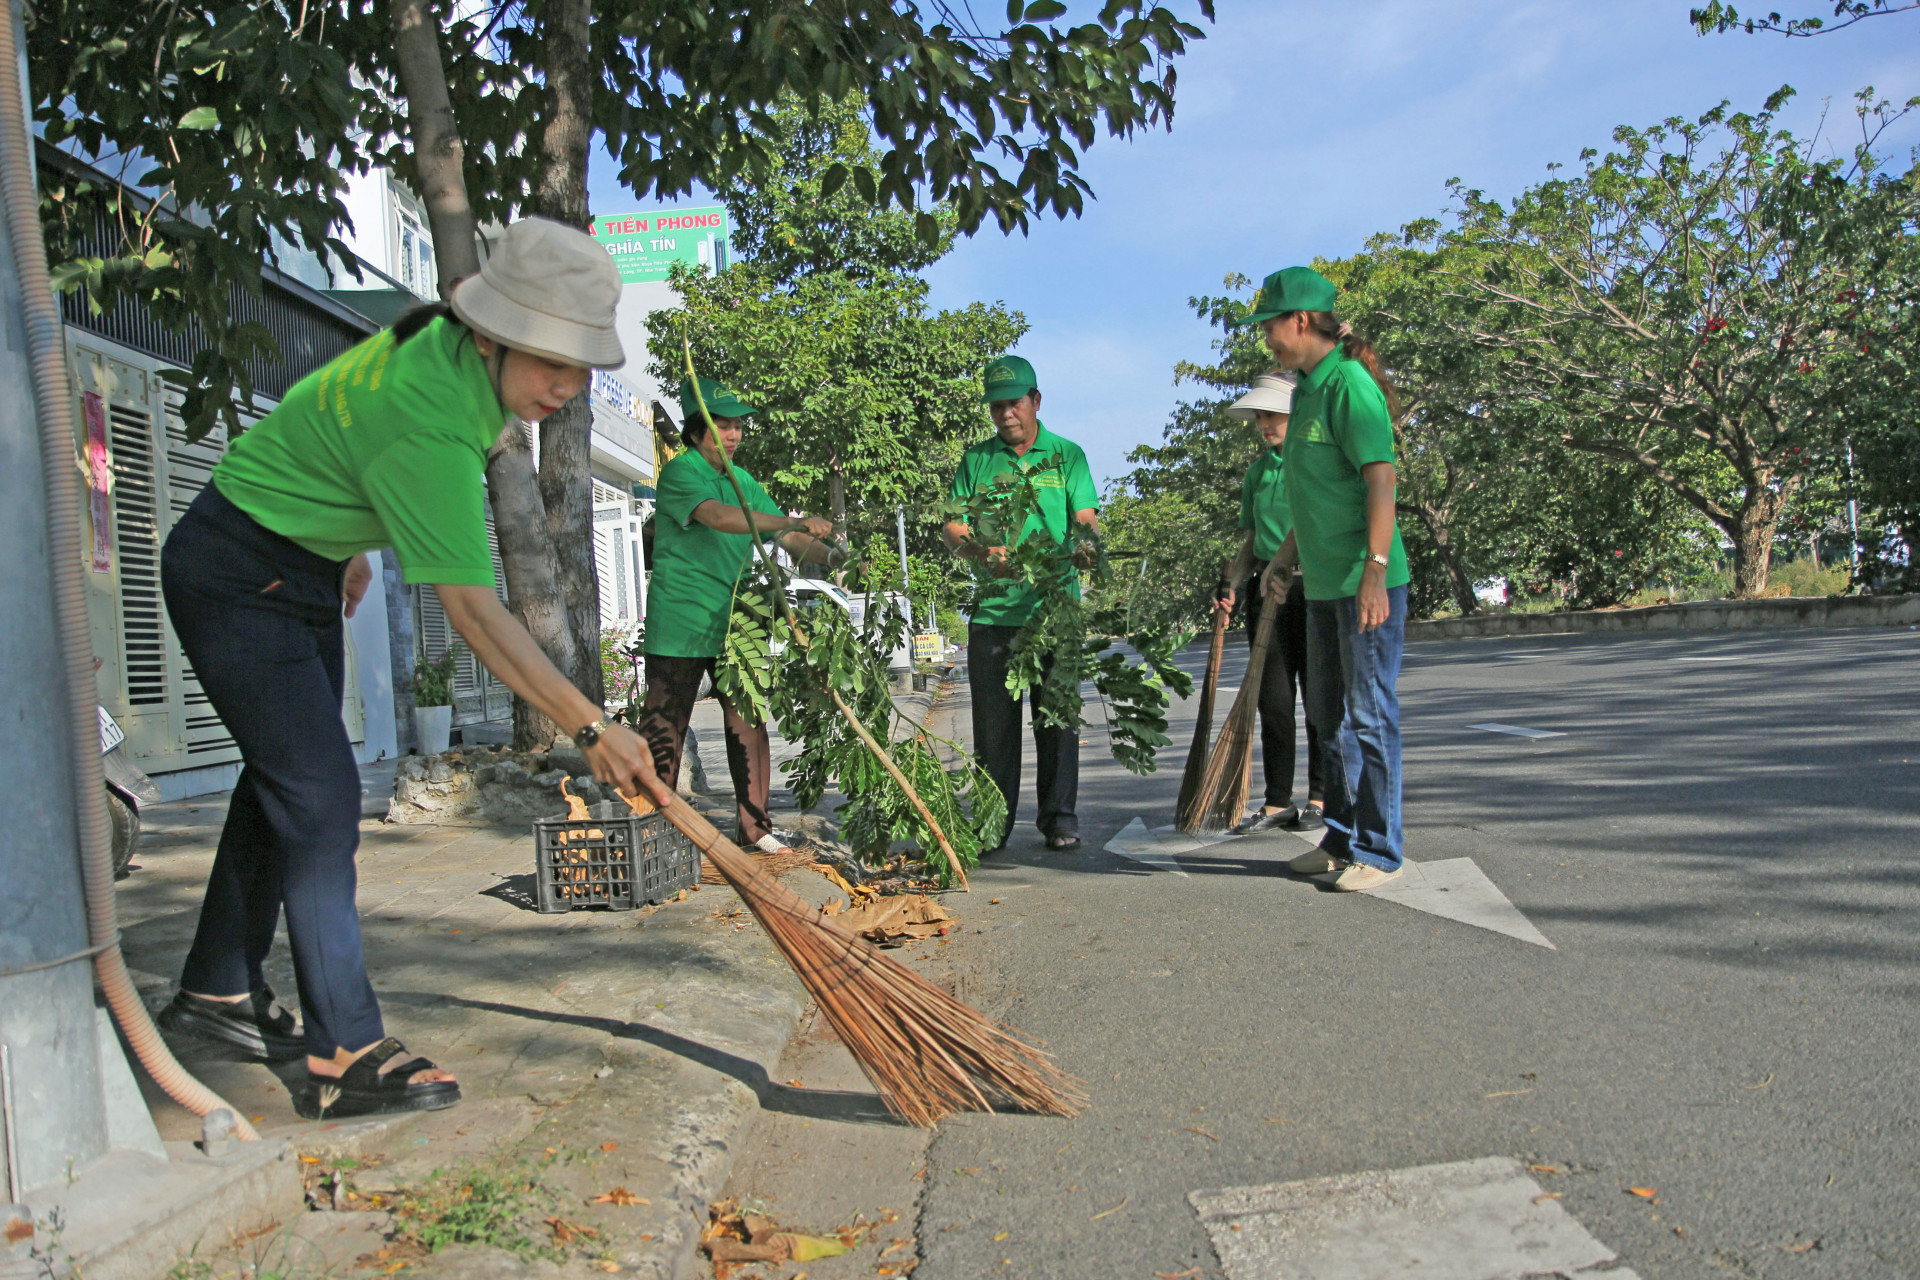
pixel 549 290
pixel 1272 392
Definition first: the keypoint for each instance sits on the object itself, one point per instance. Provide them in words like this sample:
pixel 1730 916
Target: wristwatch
pixel 589 735
pixel 1379 560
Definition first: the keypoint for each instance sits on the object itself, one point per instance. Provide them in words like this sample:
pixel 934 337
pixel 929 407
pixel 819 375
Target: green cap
pixel 1007 378
pixel 721 401
pixel 1293 289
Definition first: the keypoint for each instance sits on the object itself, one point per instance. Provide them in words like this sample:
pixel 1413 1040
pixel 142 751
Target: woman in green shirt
pixel 1267 516
pixel 1339 457
pixel 384 447
pixel 701 551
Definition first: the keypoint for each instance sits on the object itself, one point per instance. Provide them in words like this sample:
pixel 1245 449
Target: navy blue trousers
pixel 259 618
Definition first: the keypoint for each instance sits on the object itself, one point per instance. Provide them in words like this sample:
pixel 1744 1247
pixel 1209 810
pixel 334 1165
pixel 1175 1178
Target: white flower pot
pixel 434 727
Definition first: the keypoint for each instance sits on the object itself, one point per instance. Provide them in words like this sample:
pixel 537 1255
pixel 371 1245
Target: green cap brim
pixel 1013 391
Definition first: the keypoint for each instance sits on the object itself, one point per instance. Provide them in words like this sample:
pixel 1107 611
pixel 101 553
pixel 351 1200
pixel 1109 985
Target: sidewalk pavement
pixel 596 1050
pixel 617 1055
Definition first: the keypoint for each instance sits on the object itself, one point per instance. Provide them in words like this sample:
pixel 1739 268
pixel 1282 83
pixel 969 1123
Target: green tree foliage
pixel 1680 302
pixel 250 116
pixel 1179 507
pixel 1719 16
pixel 866 399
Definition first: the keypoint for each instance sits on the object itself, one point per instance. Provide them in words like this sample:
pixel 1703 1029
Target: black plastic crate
pixel 615 858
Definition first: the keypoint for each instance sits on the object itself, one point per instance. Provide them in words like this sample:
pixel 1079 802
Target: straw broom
pixel 926 1052
pixel 1186 811
pixel 1223 789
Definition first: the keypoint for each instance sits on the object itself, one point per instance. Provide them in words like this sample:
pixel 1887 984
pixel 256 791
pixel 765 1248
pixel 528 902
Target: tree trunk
pixel 1441 531
pixel 837 501
pixel 519 517
pixel 1752 534
pixel 560 193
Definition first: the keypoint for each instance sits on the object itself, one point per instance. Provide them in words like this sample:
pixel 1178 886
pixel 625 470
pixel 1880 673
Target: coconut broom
pixel 1223 788
pixel 925 1052
pixel 1186 811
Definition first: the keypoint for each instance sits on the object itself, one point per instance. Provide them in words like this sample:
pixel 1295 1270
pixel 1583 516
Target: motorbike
pixel 128 789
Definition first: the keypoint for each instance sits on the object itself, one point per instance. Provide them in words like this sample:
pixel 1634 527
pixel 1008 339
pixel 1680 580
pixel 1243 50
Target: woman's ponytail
pixel 1356 348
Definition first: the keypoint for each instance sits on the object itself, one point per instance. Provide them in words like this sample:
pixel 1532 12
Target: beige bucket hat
pixel 1272 392
pixel 549 290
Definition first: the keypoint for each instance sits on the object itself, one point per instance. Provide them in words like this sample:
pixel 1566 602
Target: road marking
pixel 1453 889
pixel 1517 731
pixel 1718 657
pixel 1471 1220
pixel 1157 848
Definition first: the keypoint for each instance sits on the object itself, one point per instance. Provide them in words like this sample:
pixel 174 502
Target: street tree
pixel 865 398
pixel 681 93
pixel 1682 302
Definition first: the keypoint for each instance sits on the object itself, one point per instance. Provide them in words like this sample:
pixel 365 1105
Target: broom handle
pixel 1262 636
pixel 799 638
pixel 1203 722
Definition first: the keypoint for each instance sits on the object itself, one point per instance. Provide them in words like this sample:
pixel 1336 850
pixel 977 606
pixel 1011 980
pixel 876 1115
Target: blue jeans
pixel 1352 704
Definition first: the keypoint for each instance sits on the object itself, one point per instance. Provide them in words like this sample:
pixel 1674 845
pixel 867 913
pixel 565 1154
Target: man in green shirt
pixel 1020 444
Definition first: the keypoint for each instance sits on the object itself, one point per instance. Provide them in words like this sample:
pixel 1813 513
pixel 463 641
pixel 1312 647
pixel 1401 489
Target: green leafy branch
pixel 1070 639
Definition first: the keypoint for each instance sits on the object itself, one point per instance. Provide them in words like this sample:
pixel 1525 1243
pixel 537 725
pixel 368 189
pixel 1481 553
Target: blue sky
pixel 1303 128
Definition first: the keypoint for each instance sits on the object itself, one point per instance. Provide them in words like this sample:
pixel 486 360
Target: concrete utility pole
pixel 58 1115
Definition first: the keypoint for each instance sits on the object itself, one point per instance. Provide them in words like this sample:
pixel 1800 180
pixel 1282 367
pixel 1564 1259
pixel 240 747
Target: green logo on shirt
pixel 1317 432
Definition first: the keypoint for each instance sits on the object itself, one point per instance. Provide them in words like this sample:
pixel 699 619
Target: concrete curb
pixel 1701 615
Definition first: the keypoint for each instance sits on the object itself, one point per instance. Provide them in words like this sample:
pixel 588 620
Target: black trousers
pixel 996 735
pixel 259 618
pixel 1281 682
pixel 673 686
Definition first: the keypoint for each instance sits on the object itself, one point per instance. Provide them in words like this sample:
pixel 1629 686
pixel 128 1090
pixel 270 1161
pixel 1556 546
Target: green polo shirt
pixel 1339 424
pixel 1263 503
pixel 1063 491
pixel 695 568
pixel 385 446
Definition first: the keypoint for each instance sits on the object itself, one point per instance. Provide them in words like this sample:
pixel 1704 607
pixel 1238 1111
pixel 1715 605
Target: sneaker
pixel 1310 818
pixel 1359 877
pixel 1256 822
pixel 1312 863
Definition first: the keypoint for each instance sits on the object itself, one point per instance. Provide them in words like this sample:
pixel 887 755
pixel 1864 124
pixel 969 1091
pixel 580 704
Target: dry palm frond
pixel 1187 811
pixel 926 1052
pixel 1223 788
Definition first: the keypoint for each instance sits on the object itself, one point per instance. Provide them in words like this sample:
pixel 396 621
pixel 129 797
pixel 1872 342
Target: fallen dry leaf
pixel 309 1159
pixel 619 1196
pixel 1800 1246
pixel 907 917
pixel 609 1146
pixel 1506 1093
pixel 1108 1213
pixel 1194 1128
pixel 1645 1193
pixel 1763 1084
pixel 606 1264
pixel 564 1231
pixel 1177 1275
pixel 795 1084
pixel 1545 1196
pixel 1544 1168
pixel 1002 1236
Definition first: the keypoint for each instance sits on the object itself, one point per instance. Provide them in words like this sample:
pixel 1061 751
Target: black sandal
pixel 255 1025
pixel 364 1090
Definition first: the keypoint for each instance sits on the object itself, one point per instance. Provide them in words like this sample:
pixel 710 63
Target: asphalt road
pixel 1724 847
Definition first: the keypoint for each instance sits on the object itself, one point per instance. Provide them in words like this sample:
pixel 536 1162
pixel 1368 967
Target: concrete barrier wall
pixel 1700 615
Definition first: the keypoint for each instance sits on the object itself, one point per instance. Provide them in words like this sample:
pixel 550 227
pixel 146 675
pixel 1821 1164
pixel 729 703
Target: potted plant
pixel 433 700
